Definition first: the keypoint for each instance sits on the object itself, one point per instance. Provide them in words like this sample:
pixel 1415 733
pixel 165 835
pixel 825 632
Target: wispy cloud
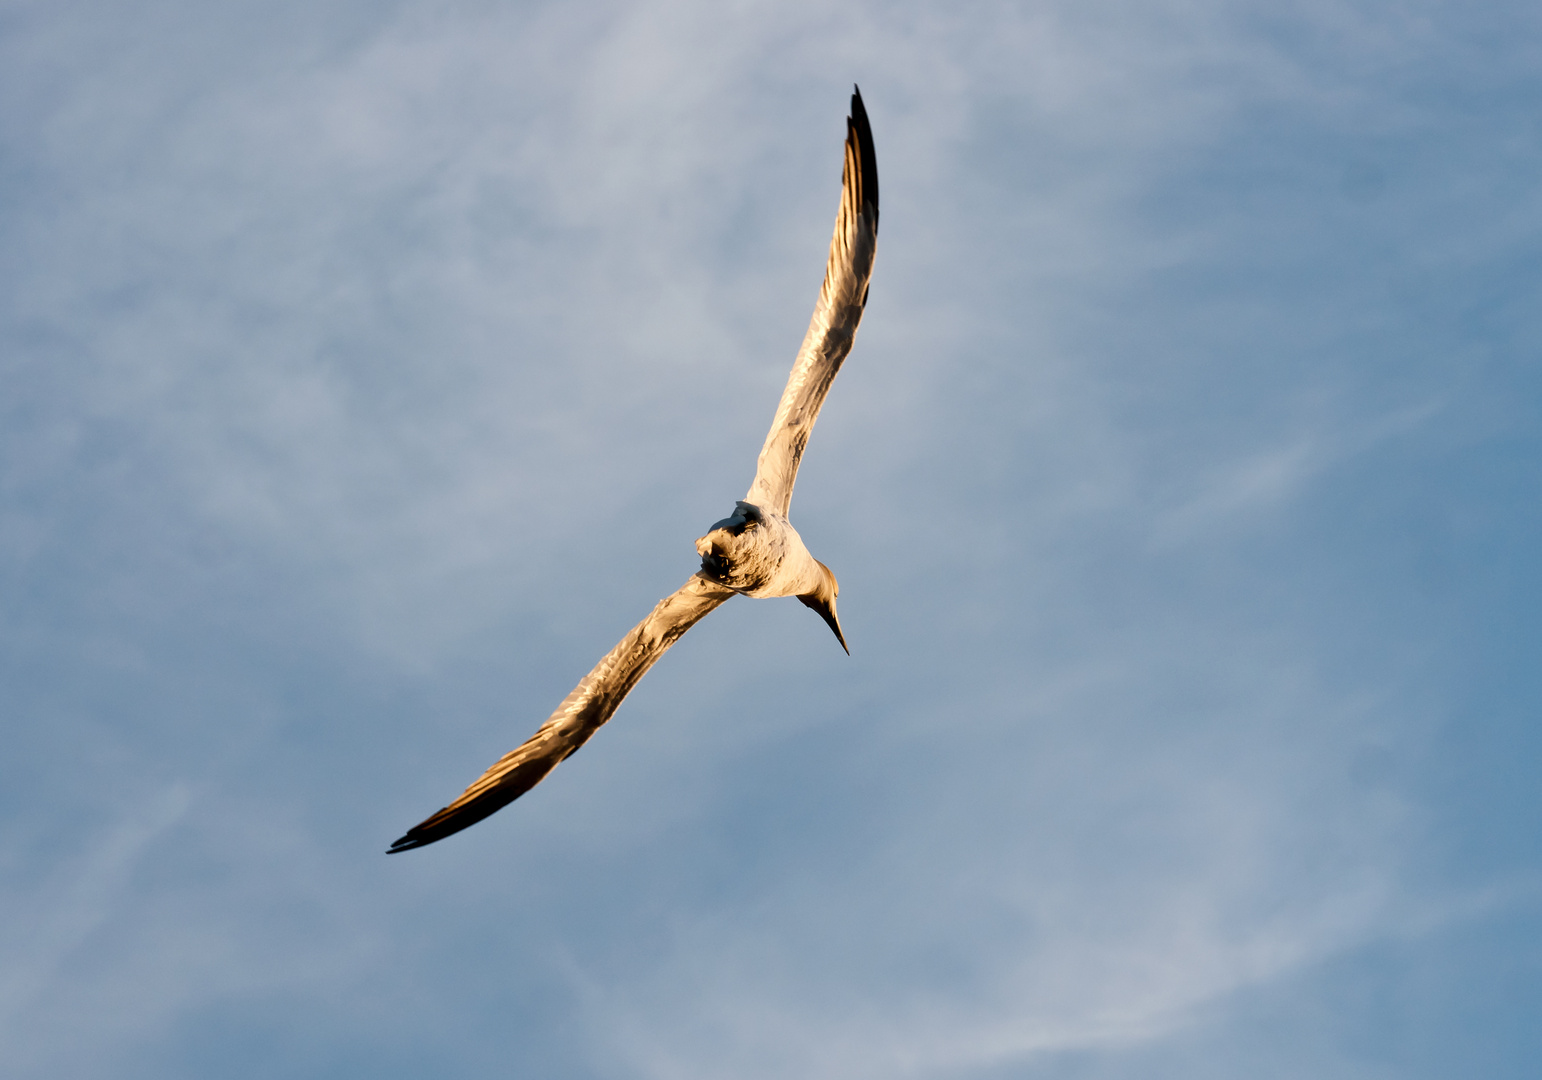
pixel 54 919
pixel 1263 483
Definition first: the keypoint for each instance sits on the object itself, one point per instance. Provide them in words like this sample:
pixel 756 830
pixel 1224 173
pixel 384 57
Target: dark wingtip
pixel 416 837
pixel 860 132
pixel 462 815
pixel 445 823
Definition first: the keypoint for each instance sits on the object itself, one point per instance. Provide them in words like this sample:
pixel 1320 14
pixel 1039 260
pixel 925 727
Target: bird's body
pixel 753 552
pixel 756 552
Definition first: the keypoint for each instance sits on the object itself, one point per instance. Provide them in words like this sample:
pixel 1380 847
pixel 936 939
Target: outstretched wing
pixel 834 325
pixel 579 716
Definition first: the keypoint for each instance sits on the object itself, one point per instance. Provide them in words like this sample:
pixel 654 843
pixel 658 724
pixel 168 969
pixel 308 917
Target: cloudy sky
pixel 368 369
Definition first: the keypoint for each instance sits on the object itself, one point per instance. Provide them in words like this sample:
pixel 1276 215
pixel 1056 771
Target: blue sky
pixel 369 369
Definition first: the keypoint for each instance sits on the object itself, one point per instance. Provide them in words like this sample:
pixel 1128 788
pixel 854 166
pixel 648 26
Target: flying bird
pixel 754 551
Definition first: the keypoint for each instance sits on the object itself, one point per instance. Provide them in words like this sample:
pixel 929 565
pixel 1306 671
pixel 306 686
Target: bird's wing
pixel 579 716
pixel 834 324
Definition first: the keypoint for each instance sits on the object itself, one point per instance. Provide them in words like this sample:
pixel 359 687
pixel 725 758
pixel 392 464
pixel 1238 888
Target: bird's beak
pixel 822 600
pixel 826 609
pixel 835 624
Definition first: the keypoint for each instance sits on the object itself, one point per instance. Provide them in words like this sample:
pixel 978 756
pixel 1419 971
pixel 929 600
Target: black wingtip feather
pixel 448 822
pixel 435 829
pixel 861 133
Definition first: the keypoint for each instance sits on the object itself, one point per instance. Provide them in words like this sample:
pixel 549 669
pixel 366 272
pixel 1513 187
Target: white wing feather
pixel 834 325
pixel 593 701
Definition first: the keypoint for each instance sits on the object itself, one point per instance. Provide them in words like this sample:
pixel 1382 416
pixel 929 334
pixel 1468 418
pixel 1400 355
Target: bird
pixel 754 552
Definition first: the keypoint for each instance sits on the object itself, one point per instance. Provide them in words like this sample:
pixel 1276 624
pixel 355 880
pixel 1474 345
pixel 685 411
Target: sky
pixel 368 369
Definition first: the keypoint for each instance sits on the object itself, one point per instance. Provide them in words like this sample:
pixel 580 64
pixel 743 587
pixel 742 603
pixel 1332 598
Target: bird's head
pixel 822 600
